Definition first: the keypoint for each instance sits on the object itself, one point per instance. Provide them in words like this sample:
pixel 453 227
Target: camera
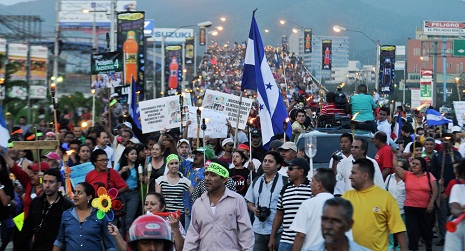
pixel 264 212
pixel 337 156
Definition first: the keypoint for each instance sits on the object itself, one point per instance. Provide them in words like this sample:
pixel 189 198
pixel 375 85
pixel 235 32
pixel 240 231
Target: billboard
pixel 130 26
pixel 107 70
pixel 426 86
pixel 71 15
pixel 2 57
pixel 172 34
pixel 17 56
pixel 307 40
pixel 386 73
pixel 39 55
pixel 326 46
pixel 443 28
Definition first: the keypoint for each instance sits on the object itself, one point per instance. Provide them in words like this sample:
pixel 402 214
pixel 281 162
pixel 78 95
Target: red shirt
pixel 451 184
pixel 417 190
pixel 25 180
pixel 99 179
pixel 384 158
pixel 331 109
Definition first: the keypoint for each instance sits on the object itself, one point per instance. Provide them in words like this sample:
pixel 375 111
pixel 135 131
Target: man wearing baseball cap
pixel 289 152
pixel 205 230
pixel 258 152
pixel 52 159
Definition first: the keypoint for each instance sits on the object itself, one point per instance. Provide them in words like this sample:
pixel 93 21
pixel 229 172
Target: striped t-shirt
pixel 173 193
pixel 290 199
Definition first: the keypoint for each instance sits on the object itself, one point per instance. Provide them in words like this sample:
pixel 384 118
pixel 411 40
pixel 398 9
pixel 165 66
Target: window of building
pixel 415 68
pixel 416 51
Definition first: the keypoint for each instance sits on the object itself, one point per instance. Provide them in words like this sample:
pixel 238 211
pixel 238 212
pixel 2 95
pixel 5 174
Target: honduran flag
pixel 257 76
pixel 435 118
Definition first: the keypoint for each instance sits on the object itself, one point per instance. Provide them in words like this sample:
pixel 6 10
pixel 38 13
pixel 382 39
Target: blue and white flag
pixel 257 76
pixel 435 118
pixel 4 134
pixel 134 111
pixel 276 60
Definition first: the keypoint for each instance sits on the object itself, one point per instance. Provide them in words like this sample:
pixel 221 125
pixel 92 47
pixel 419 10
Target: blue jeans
pixel 187 221
pixel 262 240
pixel 285 246
pixel 131 201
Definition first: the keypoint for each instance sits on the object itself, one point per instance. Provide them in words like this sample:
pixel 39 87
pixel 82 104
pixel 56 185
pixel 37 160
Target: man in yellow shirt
pixel 376 212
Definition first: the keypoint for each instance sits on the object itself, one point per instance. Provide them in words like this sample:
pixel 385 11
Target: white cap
pixel 127 124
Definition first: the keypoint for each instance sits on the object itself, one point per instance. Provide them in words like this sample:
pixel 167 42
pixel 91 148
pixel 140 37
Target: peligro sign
pixel 443 28
pixel 172 34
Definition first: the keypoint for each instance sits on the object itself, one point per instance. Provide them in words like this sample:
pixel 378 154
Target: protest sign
pixel 229 105
pixel 161 113
pixel 214 120
pixel 459 107
pixel 79 172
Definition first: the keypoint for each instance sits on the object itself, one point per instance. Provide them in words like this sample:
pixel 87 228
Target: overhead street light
pixel 338 28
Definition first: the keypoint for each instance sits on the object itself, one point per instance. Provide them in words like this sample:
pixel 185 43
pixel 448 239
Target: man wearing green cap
pixel 219 219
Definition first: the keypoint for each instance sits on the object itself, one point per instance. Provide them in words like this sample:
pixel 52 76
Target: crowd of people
pixel 234 193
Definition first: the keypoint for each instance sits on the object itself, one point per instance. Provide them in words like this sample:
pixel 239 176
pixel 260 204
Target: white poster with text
pixel 161 113
pixel 215 123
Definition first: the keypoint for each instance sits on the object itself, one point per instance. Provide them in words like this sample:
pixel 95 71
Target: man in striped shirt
pixel 292 195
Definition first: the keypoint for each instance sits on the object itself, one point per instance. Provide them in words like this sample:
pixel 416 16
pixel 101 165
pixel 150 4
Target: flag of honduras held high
pixel 258 76
pixel 4 134
pixel 435 118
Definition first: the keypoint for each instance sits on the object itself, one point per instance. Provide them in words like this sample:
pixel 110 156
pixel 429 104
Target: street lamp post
pixel 338 28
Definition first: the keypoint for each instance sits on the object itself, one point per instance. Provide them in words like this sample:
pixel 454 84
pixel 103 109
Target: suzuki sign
pixel 172 34
pixel 443 28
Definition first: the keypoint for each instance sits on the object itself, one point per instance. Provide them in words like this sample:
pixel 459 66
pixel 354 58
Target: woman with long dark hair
pixel 83 154
pixel 420 195
pixel 80 229
pixel 156 164
pixel 127 168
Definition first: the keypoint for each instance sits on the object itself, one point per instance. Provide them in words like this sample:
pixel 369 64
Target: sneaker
pixel 440 243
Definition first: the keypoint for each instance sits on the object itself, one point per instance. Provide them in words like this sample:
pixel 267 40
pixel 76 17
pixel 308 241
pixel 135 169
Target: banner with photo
pixel 173 71
pixel 202 36
pixel 186 101
pixel 2 57
pixel 130 26
pixel 229 105
pixel 107 70
pixel 327 50
pixel 426 86
pixel 308 40
pixel 189 48
pixel 386 73
pixel 17 57
pixel 214 120
pixel 39 56
pixel 161 113
pixel 37 92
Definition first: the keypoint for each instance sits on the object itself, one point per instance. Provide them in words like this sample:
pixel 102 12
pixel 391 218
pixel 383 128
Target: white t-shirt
pixel 456 194
pixel 397 189
pixel 308 219
pixel 344 169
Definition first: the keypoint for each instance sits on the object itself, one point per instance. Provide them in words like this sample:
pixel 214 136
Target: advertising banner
pixel 130 26
pixel 161 113
pixel 229 105
pixel 173 59
pixel 426 86
pixel 17 57
pixel 307 40
pixel 386 69
pixel 284 42
pixel 214 120
pixel 2 57
pixel 189 47
pixel 443 28
pixel 39 55
pixel 71 16
pixel 37 92
pixel 172 34
pixel 107 70
pixel 327 50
